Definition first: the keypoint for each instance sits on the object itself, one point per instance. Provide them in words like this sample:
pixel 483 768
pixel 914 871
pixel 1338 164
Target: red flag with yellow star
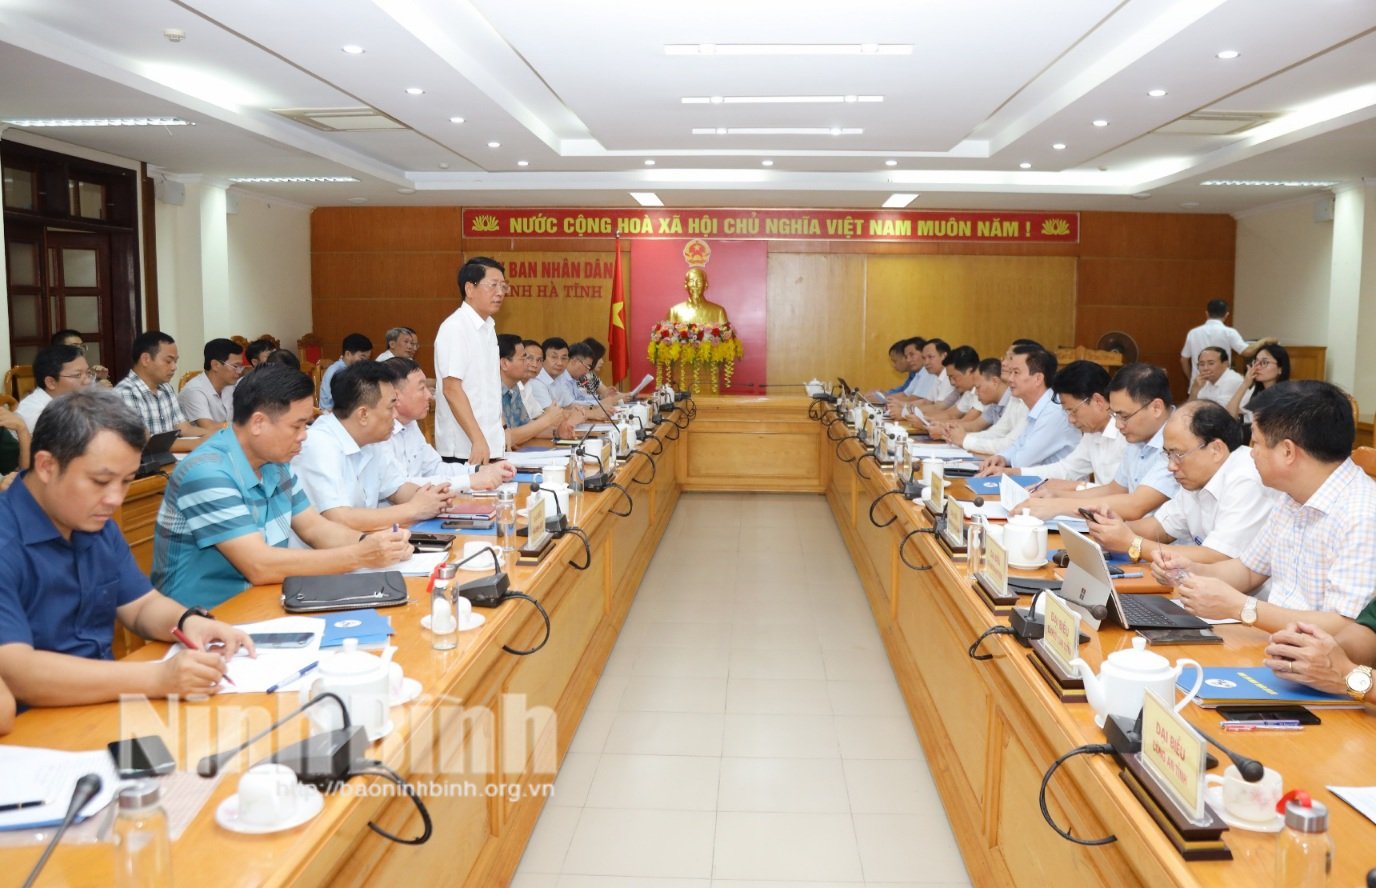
pixel 616 329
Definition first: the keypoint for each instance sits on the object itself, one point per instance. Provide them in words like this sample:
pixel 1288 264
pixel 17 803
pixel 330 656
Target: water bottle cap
pixel 1306 819
pixel 139 794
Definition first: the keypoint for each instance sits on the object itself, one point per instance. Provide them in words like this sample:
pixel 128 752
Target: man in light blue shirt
pixel 1047 435
pixel 1139 400
pixel 357 347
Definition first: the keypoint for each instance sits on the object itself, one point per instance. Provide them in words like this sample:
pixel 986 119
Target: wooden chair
pixel 187 377
pixel 317 372
pixel 19 381
pixel 8 401
pixel 241 341
pixel 268 337
pixel 309 348
pixel 1365 458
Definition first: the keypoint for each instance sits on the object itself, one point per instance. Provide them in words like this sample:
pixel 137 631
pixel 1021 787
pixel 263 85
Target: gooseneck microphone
pixel 86 788
pixel 1250 769
pixel 562 527
pixel 211 764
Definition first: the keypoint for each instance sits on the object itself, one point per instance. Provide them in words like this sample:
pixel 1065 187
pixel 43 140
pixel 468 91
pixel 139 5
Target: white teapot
pixel 1127 675
pixel 815 387
pixel 1025 540
pixel 361 681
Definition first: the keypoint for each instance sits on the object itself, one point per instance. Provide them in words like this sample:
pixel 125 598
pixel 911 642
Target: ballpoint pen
pixel 191 646
pixel 300 673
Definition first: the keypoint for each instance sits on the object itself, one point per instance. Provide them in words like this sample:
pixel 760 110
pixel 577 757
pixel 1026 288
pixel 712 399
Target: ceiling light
pixel 95 121
pixel 779 49
pixel 444 164
pixel 890 163
pixel 1025 165
pixel 523 163
pixel 352 49
pixel 776 131
pixel 649 163
pixel 767 163
pixel 1101 122
pixel 899 201
pixel 494 144
pixel 777 100
pixel 1059 146
pixel 283 180
pixel 456 120
pixel 1271 183
pixel 836 131
pixel 414 91
pixel 1156 93
pixel 1229 54
pixel 721 131
pixel 647 198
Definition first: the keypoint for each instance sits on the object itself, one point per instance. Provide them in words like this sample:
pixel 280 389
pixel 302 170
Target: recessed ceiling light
pixel 1229 54
pixel 890 163
pixel 444 164
pixel 284 180
pixel 1271 183
pixel 414 91
pixel 777 131
pixel 777 100
pixel 768 163
pixel 1156 93
pixel 1101 122
pixel 1059 146
pixel 1025 165
pixel 494 144
pixel 783 49
pixel 358 200
pixel 456 120
pixel 647 198
pixel 649 163
pixel 523 163
pixel 95 121
pixel 352 49
pixel 899 201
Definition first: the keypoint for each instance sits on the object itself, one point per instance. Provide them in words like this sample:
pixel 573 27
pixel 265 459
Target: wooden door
pixel 78 291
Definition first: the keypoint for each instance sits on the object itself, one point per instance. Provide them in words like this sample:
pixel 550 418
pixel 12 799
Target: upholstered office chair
pixel 187 377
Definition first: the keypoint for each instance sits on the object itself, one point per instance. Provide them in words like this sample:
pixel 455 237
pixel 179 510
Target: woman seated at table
pixel 1270 365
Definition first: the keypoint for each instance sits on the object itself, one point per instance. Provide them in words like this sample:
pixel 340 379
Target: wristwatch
pixel 1135 550
pixel 1249 611
pixel 1359 683
pixel 193 612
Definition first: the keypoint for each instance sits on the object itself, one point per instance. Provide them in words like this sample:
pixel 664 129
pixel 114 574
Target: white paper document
pixel 556 457
pixel 991 510
pixel 271 666
pixel 1011 494
pixel 940 451
pixel 420 564
pixel 48 776
pixel 1363 798
pixel 640 388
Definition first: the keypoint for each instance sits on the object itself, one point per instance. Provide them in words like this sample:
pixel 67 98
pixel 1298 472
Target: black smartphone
pixel 142 757
pixel 1180 636
pixel 273 640
pixel 431 542
pixel 1087 515
pixel 1271 713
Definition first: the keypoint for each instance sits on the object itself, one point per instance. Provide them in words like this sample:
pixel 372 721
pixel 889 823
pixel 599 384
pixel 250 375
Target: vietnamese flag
pixel 616 328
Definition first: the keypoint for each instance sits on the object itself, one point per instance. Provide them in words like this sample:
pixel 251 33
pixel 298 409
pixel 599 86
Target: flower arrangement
pixel 694 347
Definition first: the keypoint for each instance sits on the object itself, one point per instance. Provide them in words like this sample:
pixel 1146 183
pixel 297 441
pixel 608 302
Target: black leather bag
pixel 308 595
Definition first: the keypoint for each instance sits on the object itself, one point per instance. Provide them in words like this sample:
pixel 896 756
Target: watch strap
pixel 193 612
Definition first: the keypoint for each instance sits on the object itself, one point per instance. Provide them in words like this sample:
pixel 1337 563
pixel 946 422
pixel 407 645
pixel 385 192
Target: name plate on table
pixel 936 496
pixel 537 537
pixel 953 534
pixel 1173 754
pixel 608 454
pixel 991 577
pixel 1060 643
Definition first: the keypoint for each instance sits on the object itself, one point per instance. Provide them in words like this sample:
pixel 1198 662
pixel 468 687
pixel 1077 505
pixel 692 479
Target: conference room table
pixel 494 726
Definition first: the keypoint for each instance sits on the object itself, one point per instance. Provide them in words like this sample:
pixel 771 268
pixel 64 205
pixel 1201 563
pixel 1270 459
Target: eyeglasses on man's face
pixel 84 375
pixel 1122 418
pixel 1178 456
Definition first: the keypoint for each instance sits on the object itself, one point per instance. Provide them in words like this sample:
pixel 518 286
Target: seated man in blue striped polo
pixel 231 507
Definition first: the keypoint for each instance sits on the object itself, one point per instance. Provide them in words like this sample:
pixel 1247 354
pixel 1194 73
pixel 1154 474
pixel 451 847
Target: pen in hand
pixel 191 646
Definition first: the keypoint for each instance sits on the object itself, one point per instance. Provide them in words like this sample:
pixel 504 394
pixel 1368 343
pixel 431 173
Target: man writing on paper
pixel 419 461
pixel 468 411
pixel 1318 547
pixel 68 575
pixel 347 469
pixel 1047 435
pixel 231 507
pixel 1140 400
pixel 1221 506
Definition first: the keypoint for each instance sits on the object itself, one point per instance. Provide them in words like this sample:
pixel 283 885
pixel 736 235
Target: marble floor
pixel 747 730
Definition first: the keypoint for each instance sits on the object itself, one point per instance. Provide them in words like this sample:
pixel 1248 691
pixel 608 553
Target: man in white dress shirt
pixel 1001 418
pixel 402 342
pixel 57 369
pixel 1216 332
pixel 208 399
pixel 345 466
pixel 1222 504
pixel 419 461
pixel 1082 387
pixel 1215 381
pixel 468 410
pixel 961 369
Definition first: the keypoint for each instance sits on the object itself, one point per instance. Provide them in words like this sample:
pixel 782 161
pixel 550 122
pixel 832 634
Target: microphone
pixel 86 788
pixel 591 483
pixel 560 522
pixel 486 591
pixel 1251 770
pixel 322 759
pixel 609 483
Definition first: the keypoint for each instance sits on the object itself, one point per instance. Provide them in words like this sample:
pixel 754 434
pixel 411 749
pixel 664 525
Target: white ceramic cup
pixel 1249 802
pixel 931 466
pixel 267 795
pixel 465 613
pixel 554 475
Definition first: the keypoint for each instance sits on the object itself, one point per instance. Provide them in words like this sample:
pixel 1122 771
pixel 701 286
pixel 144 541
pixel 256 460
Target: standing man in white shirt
pixel 1222 504
pixel 208 400
pixel 420 462
pixel 1082 387
pixel 468 414
pixel 1215 332
pixel 1215 381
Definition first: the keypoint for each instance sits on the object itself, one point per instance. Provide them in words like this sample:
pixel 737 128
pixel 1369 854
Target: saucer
pixel 474 620
pixel 309 802
pixel 410 690
pixel 1036 566
pixel 386 729
pixel 1214 796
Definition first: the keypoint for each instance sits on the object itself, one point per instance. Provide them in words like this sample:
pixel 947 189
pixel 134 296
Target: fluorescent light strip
pixel 779 49
pixel 284 180
pixel 647 198
pixel 899 201
pixel 96 121
pixel 1263 183
pixel 777 131
pixel 777 100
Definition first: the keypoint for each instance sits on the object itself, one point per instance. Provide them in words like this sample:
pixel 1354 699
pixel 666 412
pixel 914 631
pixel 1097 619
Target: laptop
pixel 157 453
pixel 1088 588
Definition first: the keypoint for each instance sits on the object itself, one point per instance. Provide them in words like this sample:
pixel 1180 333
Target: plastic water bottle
pixel 143 847
pixel 1304 852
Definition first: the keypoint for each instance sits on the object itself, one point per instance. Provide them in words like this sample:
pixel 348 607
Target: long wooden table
pixel 989 729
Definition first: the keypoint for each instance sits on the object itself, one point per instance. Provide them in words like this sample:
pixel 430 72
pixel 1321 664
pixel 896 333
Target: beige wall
pixel 270 269
pixel 1282 274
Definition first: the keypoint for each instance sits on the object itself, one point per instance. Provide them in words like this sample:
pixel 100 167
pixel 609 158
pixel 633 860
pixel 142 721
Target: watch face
pixel 1359 681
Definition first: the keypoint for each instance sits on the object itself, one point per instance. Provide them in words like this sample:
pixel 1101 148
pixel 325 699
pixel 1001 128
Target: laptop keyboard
pixel 1140 614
